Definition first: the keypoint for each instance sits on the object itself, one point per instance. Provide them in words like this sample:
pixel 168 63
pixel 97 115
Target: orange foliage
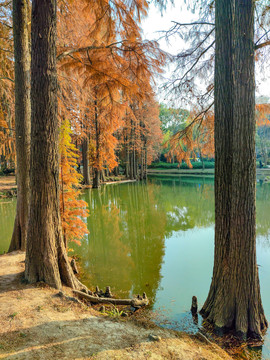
pixel 101 51
pixel 72 209
pixel 196 139
pixel 142 131
pixel 7 141
pixel 103 67
pixel 198 136
pixel 263 114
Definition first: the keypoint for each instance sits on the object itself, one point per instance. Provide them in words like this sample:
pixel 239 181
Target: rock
pixel 152 337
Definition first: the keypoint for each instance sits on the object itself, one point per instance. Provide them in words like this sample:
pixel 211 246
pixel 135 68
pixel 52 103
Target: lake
pixel 157 237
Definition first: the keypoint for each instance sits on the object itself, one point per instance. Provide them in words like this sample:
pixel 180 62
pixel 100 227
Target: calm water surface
pixel 157 237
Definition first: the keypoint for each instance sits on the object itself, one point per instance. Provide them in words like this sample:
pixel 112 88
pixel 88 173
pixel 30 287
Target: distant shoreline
pixel 193 172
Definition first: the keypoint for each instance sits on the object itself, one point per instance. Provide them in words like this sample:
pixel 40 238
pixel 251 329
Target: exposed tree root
pixel 136 302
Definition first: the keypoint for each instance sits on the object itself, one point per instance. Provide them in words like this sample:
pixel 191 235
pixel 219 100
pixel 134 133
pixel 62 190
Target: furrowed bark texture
pixel 46 258
pixel 22 121
pixel 234 300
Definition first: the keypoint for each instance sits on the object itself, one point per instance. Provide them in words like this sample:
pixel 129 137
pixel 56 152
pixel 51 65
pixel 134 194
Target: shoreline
pixel 190 172
pixel 35 322
pixel 8 187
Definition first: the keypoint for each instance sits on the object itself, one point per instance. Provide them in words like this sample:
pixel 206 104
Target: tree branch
pixel 193 23
pixel 259 46
pixel 197 60
pixel 6 78
pixel 87 48
pixel 262 37
pixel 198 117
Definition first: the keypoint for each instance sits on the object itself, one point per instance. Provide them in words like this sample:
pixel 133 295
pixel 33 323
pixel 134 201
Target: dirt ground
pixel 35 323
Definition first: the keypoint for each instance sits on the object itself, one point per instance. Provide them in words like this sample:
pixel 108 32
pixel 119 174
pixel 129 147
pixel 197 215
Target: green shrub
pixel 195 165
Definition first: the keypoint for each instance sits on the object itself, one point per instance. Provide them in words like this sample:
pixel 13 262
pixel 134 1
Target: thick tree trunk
pixel 22 121
pixel 46 258
pixel 234 300
pixel 86 173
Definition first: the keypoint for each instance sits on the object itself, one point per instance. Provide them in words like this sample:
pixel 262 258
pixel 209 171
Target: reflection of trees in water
pixel 102 251
pixel 128 224
pixel 145 234
pixel 187 202
pixel 126 242
pixel 263 212
pixel 7 216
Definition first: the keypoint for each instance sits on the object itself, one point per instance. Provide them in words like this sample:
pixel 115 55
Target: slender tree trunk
pixel 86 173
pixel 46 258
pixel 22 121
pixel 131 165
pixel 96 179
pixel 141 170
pixel 127 171
pixel 145 163
pixel 234 300
pixel 203 167
pixel 97 172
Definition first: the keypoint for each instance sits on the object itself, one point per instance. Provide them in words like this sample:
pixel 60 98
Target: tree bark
pixel 22 121
pixel 96 179
pixel 46 258
pixel 234 300
pixel 86 173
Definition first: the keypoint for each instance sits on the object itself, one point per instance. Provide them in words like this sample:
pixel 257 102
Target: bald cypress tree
pixel 46 258
pixel 22 120
pixel 234 300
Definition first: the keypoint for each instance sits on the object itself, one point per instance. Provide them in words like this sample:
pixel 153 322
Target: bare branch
pixel 197 60
pixel 193 23
pixel 86 48
pixel 262 37
pixel 259 46
pixel 6 78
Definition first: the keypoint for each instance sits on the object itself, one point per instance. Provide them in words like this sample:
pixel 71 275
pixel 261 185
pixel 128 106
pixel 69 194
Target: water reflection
pixel 7 215
pixel 126 242
pixel 158 237
pixel 263 212
pixel 129 225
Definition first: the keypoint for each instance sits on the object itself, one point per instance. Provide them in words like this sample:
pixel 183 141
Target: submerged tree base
pixel 242 332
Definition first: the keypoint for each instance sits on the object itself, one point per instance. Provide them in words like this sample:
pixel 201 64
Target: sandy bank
pixel 35 323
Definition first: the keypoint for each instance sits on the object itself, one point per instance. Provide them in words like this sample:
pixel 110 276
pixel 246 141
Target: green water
pixel 7 216
pixel 158 237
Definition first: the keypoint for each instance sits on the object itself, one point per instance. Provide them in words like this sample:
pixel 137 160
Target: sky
pixel 155 23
